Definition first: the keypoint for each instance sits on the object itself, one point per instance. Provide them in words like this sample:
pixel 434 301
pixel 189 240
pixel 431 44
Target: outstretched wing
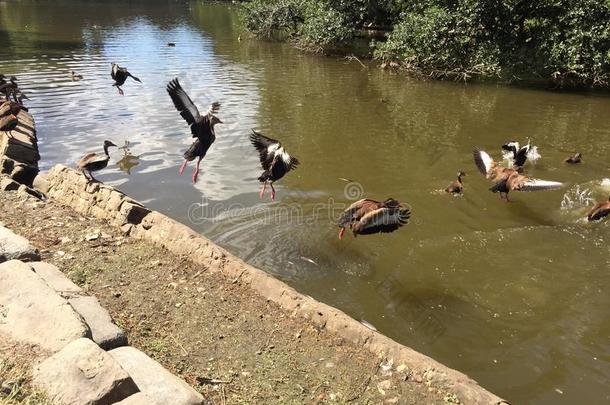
pixel 266 148
pixel 183 103
pixel 383 220
pixel 538 185
pixel 483 161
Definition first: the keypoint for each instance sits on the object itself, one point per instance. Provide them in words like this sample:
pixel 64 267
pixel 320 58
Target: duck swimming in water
pixel 76 77
pixel 120 75
pixel 509 179
pixel 275 160
pixel 599 211
pixel 577 158
pixel 365 217
pixel 202 126
pixel 457 186
pixel 93 162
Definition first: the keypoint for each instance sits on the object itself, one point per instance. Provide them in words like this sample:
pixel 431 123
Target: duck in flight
pixel 276 162
pixel 509 179
pixel 202 126
pixel 365 217
pixel 518 155
pixel 120 75
pixel 93 162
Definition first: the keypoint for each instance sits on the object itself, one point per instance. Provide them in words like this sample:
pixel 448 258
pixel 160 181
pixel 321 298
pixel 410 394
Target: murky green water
pixel 515 295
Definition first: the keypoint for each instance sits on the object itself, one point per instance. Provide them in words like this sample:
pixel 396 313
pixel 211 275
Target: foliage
pixel 564 41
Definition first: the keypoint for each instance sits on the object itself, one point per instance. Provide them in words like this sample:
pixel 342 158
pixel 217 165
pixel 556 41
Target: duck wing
pixel 483 161
pixel 183 103
pixel 529 184
pixel 266 147
pixel 383 220
pixel 91 158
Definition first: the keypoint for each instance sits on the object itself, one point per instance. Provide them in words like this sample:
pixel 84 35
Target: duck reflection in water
pixel 129 160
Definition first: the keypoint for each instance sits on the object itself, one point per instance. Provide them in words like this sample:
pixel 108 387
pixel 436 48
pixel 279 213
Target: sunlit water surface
pixel 513 294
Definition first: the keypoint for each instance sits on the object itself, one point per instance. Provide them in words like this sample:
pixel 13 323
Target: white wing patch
pixel 535 185
pixel 272 148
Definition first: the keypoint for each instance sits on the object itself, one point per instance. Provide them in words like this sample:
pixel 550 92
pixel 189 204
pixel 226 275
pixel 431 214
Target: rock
pixel 133 213
pixel 140 398
pixel 25 190
pixel 16 247
pixel 55 279
pixel 33 313
pixel 103 330
pixel 82 373
pixel 154 380
pixel 41 183
pixel 8 184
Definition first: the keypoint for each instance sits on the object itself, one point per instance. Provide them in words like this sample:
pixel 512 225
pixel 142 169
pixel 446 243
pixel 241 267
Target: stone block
pixel 154 380
pixel 82 373
pixel 104 331
pixel 55 279
pixel 33 313
pixel 13 246
pixel 8 184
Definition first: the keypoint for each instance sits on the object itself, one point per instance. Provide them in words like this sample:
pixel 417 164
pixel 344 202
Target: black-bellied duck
pixel 276 162
pixel 202 126
pixel 577 158
pixel 93 162
pixel 508 179
pixel 457 186
pixel 365 217
pixel 519 155
pixel 120 75
pixel 599 211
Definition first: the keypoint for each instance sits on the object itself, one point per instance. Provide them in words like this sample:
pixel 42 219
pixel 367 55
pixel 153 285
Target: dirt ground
pixel 229 343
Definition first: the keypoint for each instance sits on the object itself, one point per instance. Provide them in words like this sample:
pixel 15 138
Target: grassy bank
pixel 563 42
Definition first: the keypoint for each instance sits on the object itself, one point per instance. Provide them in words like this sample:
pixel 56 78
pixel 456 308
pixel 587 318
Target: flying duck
pixel 120 75
pixel 508 179
pixel 276 162
pixel 93 162
pixel 519 155
pixel 599 211
pixel 577 158
pixel 365 217
pixel 456 187
pixel 202 126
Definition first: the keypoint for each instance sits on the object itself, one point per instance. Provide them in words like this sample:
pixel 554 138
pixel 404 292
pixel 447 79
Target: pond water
pixel 513 294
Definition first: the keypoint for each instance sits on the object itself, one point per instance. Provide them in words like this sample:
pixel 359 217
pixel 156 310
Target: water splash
pixel 577 198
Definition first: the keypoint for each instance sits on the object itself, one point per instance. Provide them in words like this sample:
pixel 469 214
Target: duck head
pixel 391 203
pixel 215 120
pixel 461 174
pixel 108 144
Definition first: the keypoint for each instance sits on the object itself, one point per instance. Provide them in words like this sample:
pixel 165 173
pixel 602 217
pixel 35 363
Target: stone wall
pixel 19 148
pixel 69 187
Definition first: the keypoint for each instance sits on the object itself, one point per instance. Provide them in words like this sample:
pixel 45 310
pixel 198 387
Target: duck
pixel 599 211
pixel 120 75
pixel 519 155
pixel 8 123
pixel 75 77
pixel 457 186
pixel 577 158
pixel 171 44
pixel 10 87
pixel 93 162
pixel 11 107
pixel 276 162
pixel 202 126
pixel 366 216
pixel 509 179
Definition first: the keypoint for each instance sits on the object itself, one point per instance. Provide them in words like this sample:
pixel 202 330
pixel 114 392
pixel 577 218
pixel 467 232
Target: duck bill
pixel 341 233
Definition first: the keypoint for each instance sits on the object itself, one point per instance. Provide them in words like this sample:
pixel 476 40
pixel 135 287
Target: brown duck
pixel 599 211
pixel 93 162
pixel 507 180
pixel 365 217
pixel 457 186
pixel 577 158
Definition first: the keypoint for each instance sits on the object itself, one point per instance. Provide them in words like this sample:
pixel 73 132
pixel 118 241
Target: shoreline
pixel 119 214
